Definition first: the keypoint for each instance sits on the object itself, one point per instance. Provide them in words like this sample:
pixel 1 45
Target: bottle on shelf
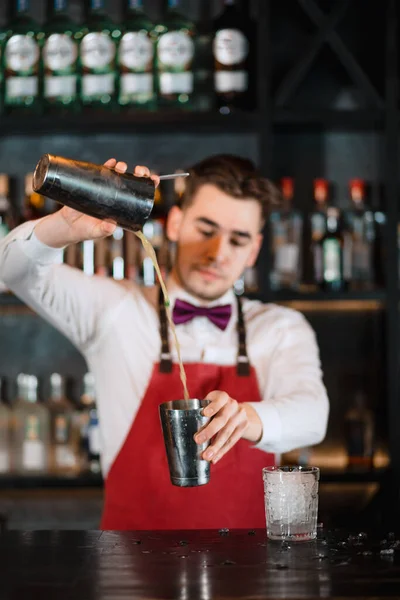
pixel 35 205
pixel 5 432
pixel 99 58
pixel 117 258
pixel 360 224
pixel 359 434
pixel 21 62
pixel 136 59
pixel 175 55
pixel 233 32
pixel 204 61
pixel 286 227
pixel 90 446
pixel 6 216
pixel 317 229
pixel 154 230
pixel 330 249
pixel 31 428
pixel 60 58
pixel 131 252
pixel 63 439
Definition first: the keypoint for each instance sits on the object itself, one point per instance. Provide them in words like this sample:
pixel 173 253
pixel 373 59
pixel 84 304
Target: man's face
pixel 217 237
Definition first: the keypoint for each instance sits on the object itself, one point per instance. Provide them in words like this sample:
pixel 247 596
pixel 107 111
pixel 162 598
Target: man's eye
pixel 235 242
pixel 206 233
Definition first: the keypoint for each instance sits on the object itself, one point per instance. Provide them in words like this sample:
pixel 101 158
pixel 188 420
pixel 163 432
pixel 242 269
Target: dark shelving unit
pixel 281 71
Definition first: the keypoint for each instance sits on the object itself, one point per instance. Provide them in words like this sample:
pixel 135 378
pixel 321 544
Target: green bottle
pixel 175 56
pixel 60 58
pixel 21 64
pixel 136 59
pixel 99 58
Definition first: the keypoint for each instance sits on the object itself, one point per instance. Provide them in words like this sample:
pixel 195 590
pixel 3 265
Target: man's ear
pixel 255 250
pixel 174 221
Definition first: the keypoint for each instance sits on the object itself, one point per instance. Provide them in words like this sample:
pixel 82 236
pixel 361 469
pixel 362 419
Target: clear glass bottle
pixel 61 58
pixel 63 440
pixel 360 223
pixel 99 58
pixel 317 229
pixel 31 428
pixel 175 54
pixel 35 205
pixel 6 217
pixel 233 35
pixel 136 57
pixel 90 444
pixel 330 248
pixel 5 433
pixel 154 230
pixel 21 62
pixel 286 230
pixel 117 254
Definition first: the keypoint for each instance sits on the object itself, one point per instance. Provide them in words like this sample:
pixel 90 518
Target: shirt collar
pixel 176 291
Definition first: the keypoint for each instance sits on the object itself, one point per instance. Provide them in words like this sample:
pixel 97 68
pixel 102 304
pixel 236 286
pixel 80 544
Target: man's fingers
pixel 141 171
pixel 217 401
pixel 121 166
pixel 234 438
pixel 110 163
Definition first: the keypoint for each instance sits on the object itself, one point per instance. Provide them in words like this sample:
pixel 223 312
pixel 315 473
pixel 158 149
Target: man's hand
pixel 230 422
pixel 69 226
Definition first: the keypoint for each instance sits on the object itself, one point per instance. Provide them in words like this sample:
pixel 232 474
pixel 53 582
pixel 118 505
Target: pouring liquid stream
pixel 148 248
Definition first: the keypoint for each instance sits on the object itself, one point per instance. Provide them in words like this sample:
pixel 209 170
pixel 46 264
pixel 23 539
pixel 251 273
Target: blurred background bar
pixel 298 86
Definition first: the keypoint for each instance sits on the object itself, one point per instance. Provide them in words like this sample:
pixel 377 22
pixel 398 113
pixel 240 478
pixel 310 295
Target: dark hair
pixel 236 176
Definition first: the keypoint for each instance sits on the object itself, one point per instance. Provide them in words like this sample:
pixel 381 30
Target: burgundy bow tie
pixel 184 311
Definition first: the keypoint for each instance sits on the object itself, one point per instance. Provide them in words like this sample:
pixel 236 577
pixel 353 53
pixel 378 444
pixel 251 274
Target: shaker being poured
pixel 97 190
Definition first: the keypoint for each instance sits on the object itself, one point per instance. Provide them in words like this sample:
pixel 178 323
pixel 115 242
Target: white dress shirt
pixel 116 328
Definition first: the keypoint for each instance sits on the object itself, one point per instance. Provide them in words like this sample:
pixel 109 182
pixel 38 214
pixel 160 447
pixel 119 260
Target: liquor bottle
pixel 131 252
pixel 63 442
pixel 204 60
pixel 99 58
pixel 360 224
pixel 5 431
pixel 154 230
pixel 6 217
pixel 21 64
pixel 117 254
pixel 32 428
pixel 60 58
pixel 174 59
pixel 136 59
pixel 90 446
pixel 233 31
pixel 317 229
pixel 359 434
pixel 34 206
pixel 286 227
pixel 330 249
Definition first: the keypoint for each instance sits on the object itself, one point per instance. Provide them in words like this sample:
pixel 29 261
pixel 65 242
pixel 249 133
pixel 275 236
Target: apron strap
pixel 165 365
pixel 243 363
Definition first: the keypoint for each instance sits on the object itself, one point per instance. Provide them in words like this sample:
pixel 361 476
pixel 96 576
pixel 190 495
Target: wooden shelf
pixel 84 480
pixel 92 122
pixel 89 480
pixel 320 296
pixel 349 120
pixel 95 122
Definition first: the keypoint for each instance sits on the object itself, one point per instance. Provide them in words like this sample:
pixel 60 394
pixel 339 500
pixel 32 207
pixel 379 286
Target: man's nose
pixel 217 249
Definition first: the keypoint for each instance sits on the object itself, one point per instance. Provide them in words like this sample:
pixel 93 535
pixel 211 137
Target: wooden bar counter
pixel 186 565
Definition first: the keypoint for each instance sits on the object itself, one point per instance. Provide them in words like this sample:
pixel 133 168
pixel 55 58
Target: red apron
pixel 138 492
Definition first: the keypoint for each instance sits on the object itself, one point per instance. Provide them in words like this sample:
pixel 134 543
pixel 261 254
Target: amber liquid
pixel 148 248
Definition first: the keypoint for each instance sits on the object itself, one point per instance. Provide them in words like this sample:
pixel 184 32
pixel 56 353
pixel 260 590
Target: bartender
pixel 257 363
